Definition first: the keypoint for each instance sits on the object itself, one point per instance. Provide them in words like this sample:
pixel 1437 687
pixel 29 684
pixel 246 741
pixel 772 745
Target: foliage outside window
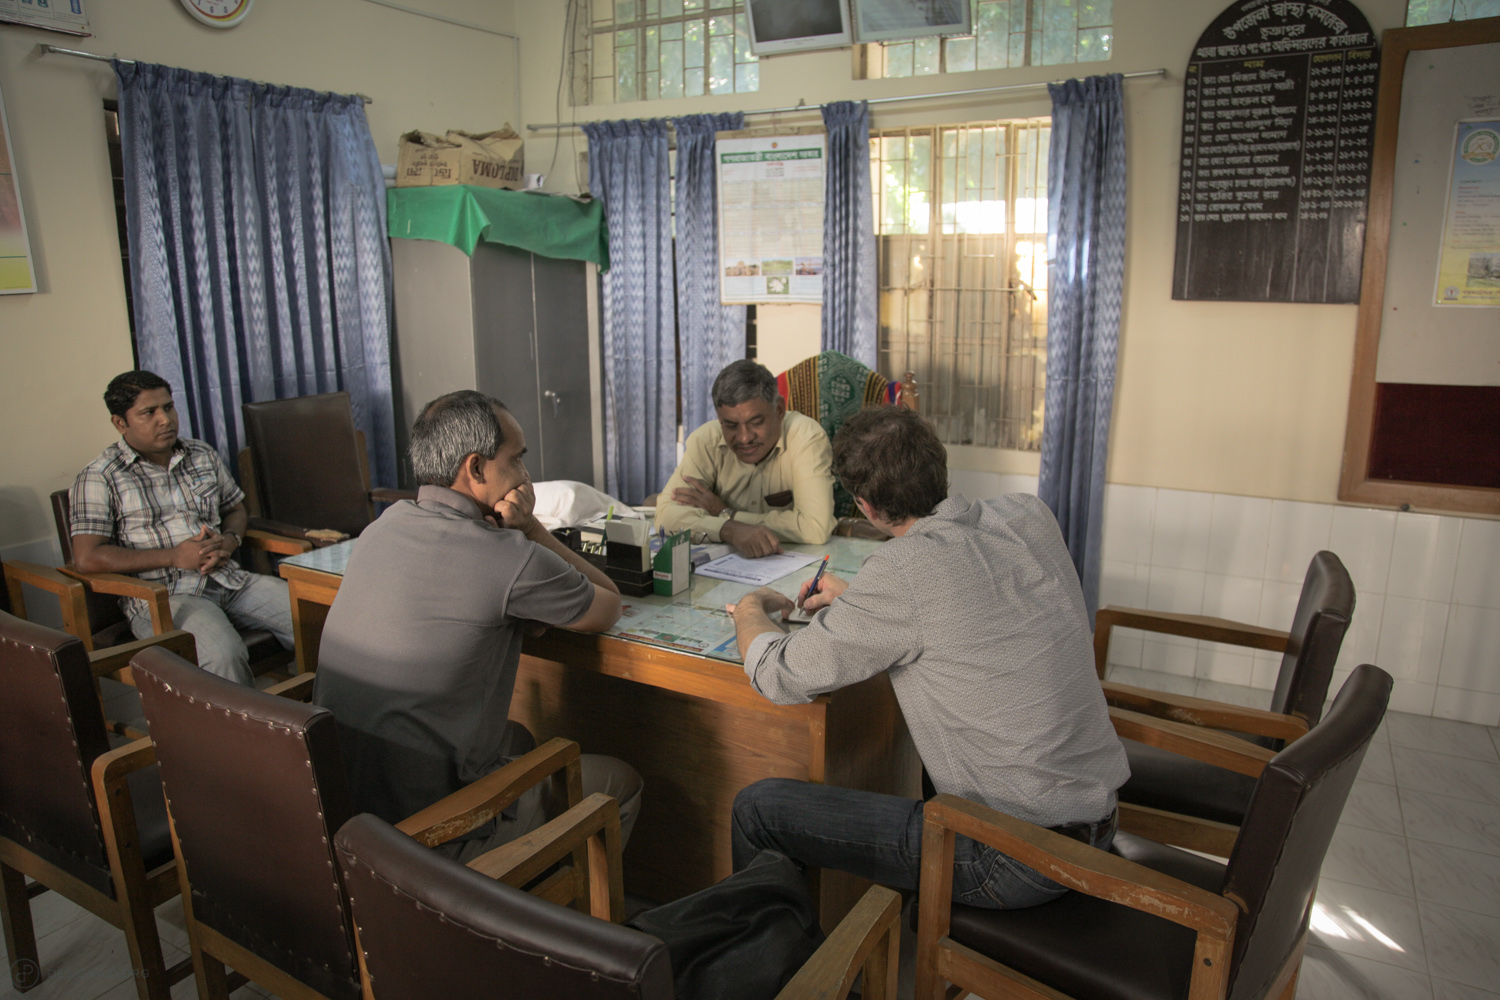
pixel 644 50
pixel 1007 34
pixel 961 224
pixel 1443 11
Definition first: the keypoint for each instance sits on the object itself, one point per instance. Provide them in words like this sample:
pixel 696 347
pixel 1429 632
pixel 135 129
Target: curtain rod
pixel 804 106
pixel 80 54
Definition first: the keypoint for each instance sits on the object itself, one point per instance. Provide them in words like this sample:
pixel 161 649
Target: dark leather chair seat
pixel 1165 780
pixel 1084 946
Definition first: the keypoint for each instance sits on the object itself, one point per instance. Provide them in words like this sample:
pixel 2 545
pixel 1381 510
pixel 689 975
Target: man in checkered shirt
pixel 165 509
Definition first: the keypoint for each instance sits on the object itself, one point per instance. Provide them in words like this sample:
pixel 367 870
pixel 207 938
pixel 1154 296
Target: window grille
pixel 1443 11
pixel 643 50
pixel 961 224
pixel 1007 34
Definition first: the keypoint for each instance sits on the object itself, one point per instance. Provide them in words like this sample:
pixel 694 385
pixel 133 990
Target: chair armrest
pixel 483 800
pixel 1189 626
pixel 595 824
pixel 281 544
pixel 299 688
pixel 116 659
pixel 154 594
pixel 1076 865
pixel 1206 745
pixel 1203 712
pixel 71 595
pixel 869 938
pixel 381 494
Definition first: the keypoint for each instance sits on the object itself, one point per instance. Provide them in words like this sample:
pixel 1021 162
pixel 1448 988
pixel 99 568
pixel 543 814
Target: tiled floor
pixel 1408 906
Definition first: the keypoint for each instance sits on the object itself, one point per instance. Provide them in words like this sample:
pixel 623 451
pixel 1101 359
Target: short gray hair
pixel 742 381
pixel 450 429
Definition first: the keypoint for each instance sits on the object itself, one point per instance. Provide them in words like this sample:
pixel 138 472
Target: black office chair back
pixel 52 733
pixel 307 465
pixel 256 789
pixel 1273 870
pixel 431 927
pixel 1323 614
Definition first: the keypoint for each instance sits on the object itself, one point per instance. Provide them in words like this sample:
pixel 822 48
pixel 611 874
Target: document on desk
pixel 756 572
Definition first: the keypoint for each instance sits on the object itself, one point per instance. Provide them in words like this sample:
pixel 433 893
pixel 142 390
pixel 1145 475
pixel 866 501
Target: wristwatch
pixel 729 513
pixel 238 541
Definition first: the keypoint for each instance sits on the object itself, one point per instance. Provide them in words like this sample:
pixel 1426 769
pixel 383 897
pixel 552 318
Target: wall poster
pixel 771 217
pixel 1469 261
pixel 16 272
pixel 1277 127
pixel 66 16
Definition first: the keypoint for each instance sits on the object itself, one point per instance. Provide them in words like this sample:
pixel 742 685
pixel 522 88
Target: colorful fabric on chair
pixel 830 387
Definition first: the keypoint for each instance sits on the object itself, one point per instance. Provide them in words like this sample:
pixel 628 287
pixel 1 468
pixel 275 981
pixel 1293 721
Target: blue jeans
pixel 215 618
pixel 878 837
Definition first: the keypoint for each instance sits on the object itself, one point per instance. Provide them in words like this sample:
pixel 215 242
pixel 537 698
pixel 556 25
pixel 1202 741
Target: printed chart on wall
pixel 1278 121
pixel 1469 267
pixel 771 218
pixel 16 274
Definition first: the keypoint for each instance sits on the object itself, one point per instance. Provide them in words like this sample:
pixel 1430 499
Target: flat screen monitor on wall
pixel 797 25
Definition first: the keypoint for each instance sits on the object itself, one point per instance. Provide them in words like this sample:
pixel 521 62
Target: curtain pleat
pixel 849 289
pixel 710 334
pixel 1085 278
pixel 629 171
pixel 259 262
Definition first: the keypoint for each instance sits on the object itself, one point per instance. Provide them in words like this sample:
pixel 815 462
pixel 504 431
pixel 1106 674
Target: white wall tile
pixel 1265 669
pixel 1180 536
pixel 1123 583
pixel 1299 531
pixel 1128 516
pixel 1226 664
pixel 1362 640
pixel 1169 657
pixel 1477 579
pixel 1177 590
pixel 1423 556
pixel 1362 538
pixel 1411 638
pixel 1125 647
pixel 1410 696
pixel 1471 649
pixel 1278 604
pixel 1234 597
pixel 1467 706
pixel 1238 535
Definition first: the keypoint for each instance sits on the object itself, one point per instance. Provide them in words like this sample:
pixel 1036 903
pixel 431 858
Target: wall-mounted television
pixel 894 20
pixel 778 26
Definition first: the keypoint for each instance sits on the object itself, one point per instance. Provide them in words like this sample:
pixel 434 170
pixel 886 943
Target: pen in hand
pixel 817 577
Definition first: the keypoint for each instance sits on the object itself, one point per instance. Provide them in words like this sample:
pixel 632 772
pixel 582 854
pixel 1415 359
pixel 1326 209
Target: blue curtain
pixel 259 264
pixel 709 333
pixel 628 171
pixel 1085 278
pixel 849 291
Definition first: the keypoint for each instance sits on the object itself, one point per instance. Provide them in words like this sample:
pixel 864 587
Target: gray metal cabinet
pixel 514 325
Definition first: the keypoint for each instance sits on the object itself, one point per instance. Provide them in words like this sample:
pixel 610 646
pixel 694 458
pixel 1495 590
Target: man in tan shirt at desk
pixel 755 477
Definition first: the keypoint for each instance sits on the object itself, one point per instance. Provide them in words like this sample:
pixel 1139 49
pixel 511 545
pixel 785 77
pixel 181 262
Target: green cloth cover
pixel 462 214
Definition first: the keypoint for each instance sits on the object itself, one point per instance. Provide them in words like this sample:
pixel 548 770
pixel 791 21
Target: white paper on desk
pixel 756 572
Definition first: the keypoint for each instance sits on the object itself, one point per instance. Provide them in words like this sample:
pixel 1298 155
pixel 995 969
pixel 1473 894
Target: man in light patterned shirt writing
pixel 165 509
pixel 975 612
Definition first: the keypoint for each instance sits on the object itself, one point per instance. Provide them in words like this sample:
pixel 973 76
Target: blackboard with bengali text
pixel 1278 122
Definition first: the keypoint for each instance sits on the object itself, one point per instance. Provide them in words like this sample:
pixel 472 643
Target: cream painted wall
pixel 1218 397
pixel 59 347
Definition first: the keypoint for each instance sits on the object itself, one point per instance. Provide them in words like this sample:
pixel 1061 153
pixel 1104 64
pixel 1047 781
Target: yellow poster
pixel 1469 265
pixel 16 274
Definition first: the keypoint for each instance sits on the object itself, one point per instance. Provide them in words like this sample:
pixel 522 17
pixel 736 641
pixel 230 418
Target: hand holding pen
pixel 820 591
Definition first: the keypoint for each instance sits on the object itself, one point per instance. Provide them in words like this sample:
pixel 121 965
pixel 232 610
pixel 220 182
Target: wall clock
pixel 219 13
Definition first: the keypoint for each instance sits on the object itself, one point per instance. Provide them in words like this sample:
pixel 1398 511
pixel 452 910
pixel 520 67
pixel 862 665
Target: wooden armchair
pixel 256 791
pixel 1144 920
pixel 81 819
pixel 99 620
pixel 1185 801
pixel 427 927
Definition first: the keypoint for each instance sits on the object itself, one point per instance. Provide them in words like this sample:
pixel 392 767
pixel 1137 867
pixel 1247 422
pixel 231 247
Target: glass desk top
pixel 695 620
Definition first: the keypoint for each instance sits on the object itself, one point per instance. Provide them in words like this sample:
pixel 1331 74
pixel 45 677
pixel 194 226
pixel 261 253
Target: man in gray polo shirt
pixel 419 654
pixel 976 613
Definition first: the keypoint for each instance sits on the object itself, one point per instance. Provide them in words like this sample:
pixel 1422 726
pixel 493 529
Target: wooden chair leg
pixel 213 981
pixel 143 939
pixel 20 935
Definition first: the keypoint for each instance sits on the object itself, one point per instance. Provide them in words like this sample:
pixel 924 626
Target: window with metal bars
pixel 1443 11
pixel 961 224
pixel 1007 34
pixel 643 50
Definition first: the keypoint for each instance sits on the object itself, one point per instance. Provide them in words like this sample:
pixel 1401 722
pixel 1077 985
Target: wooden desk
pixel 690 723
